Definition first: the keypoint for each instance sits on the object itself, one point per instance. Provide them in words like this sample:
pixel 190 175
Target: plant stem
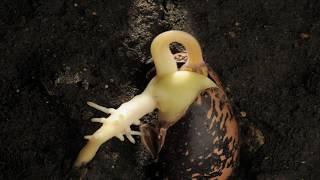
pixel 162 56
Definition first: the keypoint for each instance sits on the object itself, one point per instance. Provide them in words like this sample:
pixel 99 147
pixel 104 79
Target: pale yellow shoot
pixel 175 92
pixel 171 91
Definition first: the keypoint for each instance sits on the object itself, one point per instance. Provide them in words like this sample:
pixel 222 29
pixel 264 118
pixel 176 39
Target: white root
pixel 116 125
pixel 99 120
pixel 101 108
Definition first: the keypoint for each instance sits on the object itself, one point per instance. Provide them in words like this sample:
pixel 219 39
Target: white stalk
pixel 116 125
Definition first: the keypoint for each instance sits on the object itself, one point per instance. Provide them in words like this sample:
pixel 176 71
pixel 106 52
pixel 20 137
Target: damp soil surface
pixel 56 55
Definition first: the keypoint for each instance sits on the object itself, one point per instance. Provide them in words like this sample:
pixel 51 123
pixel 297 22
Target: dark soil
pixel 56 55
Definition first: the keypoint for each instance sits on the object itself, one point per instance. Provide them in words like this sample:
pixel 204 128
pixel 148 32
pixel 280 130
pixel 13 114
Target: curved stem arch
pixel 162 56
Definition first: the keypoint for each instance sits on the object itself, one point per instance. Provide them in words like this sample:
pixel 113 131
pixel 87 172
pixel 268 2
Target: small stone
pixel 243 114
pixel 85 84
pixel 232 34
pixel 187 153
pixel 196 175
pixel 305 35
